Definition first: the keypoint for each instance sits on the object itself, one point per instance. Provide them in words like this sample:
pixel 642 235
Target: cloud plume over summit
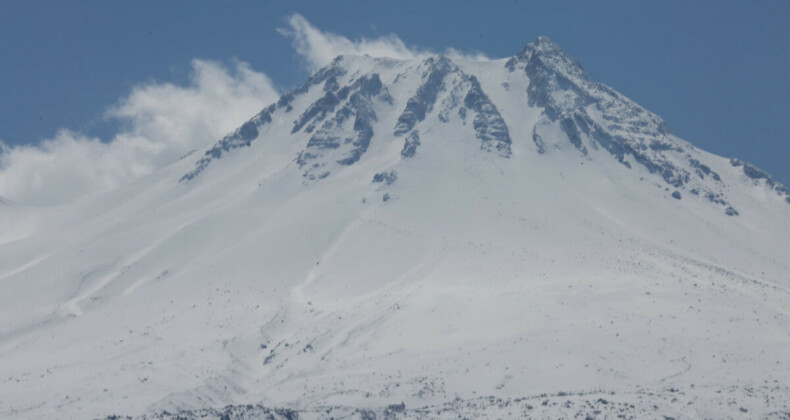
pixel 163 121
pixel 319 47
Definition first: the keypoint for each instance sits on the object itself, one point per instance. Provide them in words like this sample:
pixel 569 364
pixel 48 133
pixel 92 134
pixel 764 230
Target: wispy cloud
pixel 163 122
pixel 319 47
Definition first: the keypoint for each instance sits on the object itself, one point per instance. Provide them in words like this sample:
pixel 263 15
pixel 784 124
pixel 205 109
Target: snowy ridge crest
pixel 463 95
pixel 594 116
pixel 338 139
pixel 339 106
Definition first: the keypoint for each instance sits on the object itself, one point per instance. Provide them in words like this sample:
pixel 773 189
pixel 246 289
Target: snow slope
pixel 429 232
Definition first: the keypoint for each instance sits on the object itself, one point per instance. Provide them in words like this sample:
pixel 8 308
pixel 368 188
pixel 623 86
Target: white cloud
pixel 164 122
pixel 319 47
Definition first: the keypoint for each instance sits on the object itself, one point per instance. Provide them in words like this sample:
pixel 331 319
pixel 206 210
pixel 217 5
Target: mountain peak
pixel 544 43
pixel 357 103
pixel 543 52
pixel 392 214
pixel 541 45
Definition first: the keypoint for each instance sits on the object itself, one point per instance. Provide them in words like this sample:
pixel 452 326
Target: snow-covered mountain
pixel 479 238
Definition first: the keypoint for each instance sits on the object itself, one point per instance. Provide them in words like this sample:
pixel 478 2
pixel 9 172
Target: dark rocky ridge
pixel 590 116
pixel 757 175
pixel 423 100
pixel 560 86
pixel 410 144
pixel 242 137
pixel 442 75
pixel 489 125
pixel 333 136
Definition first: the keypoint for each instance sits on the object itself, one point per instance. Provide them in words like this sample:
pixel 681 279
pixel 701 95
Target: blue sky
pixel 716 71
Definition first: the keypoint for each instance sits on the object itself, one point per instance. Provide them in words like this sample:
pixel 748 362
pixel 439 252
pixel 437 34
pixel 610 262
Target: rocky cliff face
pixel 573 110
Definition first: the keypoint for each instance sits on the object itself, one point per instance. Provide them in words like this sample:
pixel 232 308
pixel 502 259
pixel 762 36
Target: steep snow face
pixel 573 111
pixel 462 95
pixel 590 115
pixel 429 232
pixel 346 98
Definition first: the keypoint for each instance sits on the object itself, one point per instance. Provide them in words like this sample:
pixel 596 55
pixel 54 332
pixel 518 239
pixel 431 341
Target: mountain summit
pixel 424 238
pixel 573 111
